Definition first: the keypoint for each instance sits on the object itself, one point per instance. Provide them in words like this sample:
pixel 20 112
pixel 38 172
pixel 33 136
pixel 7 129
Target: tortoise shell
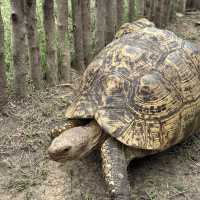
pixel 143 88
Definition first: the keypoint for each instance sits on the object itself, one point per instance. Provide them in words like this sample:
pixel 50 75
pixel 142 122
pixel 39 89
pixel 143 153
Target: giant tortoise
pixel 140 96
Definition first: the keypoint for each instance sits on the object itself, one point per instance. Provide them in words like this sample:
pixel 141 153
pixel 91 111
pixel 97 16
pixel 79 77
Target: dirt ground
pixel 27 174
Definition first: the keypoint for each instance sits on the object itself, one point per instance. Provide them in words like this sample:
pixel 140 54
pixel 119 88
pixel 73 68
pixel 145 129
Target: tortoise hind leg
pixel 114 166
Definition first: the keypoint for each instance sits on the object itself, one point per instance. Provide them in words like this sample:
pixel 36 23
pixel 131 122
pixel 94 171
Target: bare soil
pixel 26 173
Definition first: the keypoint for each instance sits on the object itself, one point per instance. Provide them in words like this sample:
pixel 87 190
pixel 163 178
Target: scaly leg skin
pixel 69 124
pixel 115 169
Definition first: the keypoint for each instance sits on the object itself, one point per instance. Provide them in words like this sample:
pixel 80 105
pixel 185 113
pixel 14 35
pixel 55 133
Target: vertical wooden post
pixel 19 46
pixel 120 12
pixel 100 25
pixel 87 33
pixel 110 20
pixel 3 95
pixel 34 54
pixel 78 34
pixel 50 33
pixel 64 61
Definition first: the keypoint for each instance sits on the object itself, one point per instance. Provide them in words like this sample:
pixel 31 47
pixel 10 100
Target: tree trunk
pixel 182 6
pixel 149 9
pixel 189 3
pixel 162 15
pixel 78 34
pixel 145 8
pixel 196 4
pixel 87 33
pixel 3 96
pixel 131 10
pixel 64 66
pixel 172 16
pixel 193 4
pixel 166 12
pixel 141 4
pixel 19 46
pixel 34 53
pixel 110 20
pixel 157 20
pixel 50 33
pixel 100 25
pixel 153 13
pixel 120 12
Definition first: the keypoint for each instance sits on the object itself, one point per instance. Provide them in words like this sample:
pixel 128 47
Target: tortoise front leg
pixel 114 166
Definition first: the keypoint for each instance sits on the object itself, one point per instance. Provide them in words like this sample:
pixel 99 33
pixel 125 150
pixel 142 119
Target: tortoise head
pixel 76 142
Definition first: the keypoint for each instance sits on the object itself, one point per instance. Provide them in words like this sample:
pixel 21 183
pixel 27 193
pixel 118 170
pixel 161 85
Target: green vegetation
pixel 134 11
pixel 6 11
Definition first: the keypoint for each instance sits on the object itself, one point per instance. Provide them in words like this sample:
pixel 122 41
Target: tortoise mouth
pixel 57 158
pixel 62 156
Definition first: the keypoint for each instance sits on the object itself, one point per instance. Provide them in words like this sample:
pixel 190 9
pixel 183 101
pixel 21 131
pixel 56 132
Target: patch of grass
pixel 87 197
pixel 179 187
pixel 152 195
pixel 23 177
pixel 17 184
pixel 29 195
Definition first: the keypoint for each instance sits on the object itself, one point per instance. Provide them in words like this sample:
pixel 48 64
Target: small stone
pixel 113 191
pixel 179 15
pixel 109 166
pixel 197 23
pixel 111 183
pixel 121 176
